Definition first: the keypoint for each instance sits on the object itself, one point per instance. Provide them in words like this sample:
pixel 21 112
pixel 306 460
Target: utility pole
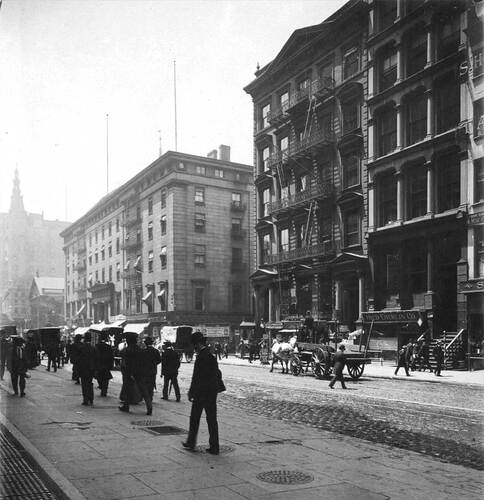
pixel 107 153
pixel 174 89
pixel 159 140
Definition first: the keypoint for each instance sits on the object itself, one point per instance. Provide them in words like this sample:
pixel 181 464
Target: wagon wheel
pixel 321 363
pixel 356 370
pixel 318 369
pixel 188 357
pixel 296 366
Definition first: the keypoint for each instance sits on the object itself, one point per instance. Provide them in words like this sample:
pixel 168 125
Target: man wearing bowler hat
pixel 203 394
pixel 170 363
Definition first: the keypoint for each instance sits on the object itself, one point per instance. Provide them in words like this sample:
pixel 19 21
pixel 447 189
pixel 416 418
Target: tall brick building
pixel 368 172
pixel 170 246
pixel 29 246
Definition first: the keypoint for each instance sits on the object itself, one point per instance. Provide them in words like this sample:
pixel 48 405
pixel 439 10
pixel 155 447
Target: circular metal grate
pixel 147 423
pixel 285 477
pixel 224 448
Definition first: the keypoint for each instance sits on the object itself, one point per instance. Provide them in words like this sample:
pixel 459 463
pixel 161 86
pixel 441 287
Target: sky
pixel 66 64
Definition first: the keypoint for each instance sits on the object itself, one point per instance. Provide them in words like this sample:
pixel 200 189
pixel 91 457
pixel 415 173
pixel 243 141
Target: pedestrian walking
pixel 218 350
pixel 86 365
pixel 205 385
pixel 170 363
pixel 68 350
pixel 52 350
pixel 226 350
pixel 18 366
pixel 403 360
pixel 104 361
pixel 74 354
pixel 31 353
pixel 339 364
pixel 151 358
pixel 134 389
pixel 438 353
pixel 5 346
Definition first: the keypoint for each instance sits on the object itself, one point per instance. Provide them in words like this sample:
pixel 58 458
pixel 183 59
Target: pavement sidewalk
pixel 100 453
pixel 386 369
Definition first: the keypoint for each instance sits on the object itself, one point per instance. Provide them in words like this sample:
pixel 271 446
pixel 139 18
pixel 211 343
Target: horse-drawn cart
pixel 319 359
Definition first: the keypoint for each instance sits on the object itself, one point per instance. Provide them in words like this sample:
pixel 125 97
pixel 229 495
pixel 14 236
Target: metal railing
pixel 321 249
pixel 324 191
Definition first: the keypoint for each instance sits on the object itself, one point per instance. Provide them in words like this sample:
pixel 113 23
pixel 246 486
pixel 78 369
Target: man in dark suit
pixel 104 362
pixel 438 353
pixel 170 363
pixel 18 366
pixel 150 359
pixel 203 394
pixel 339 364
pixel 86 365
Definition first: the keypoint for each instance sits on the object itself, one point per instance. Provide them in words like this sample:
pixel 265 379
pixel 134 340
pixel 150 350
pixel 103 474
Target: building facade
pixel 368 171
pixel 310 128
pixel 29 246
pixel 46 301
pixel 171 246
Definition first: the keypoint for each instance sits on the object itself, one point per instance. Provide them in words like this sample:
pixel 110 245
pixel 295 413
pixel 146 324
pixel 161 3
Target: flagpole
pixel 174 91
pixel 107 153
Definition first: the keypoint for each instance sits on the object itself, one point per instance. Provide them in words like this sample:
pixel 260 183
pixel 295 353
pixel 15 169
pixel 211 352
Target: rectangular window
pixel 417 192
pixel 110 273
pixel 352 228
pixel 266 153
pixel 236 255
pixel 479 176
pixel 200 170
pixel 103 275
pixel 138 237
pixel 236 224
pixel 103 254
pixel 199 298
pixel 284 240
pixel 479 118
pixel 351 116
pixel 266 200
pixel 264 115
pixel 110 230
pixel 237 297
pixel 388 199
pixel 416 119
pixel 90 260
pixel 392 272
pixel 388 69
pixel 448 182
pixel 163 257
pixel 284 101
pixel 163 198
pixel 351 171
pixel 118 271
pixel 102 233
pixel 150 261
pixel 199 196
pixel 300 236
pixel 150 206
pixel 199 255
pixel 110 251
pixel 387 13
pixel 284 144
pixel 387 131
pixel 351 62
pixel 417 267
pixel 448 104
pixel 96 257
pixel 95 237
pixel 449 35
pixel 163 225
pixel 326 75
pixel 479 250
pixel 200 223
pixel 97 276
pixel 236 200
pixel 150 231
pixel 118 247
pixel 266 246
pixel 163 295
pixel 219 173
pixel 416 52
pixel 90 244
pixel 117 225
pixel 303 183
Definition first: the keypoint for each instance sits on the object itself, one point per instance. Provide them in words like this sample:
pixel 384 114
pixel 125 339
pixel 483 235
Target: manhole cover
pixel 224 448
pixel 164 430
pixel 285 477
pixel 146 423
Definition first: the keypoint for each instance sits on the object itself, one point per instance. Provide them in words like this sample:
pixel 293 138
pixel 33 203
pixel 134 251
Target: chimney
pixel 224 152
pixel 212 154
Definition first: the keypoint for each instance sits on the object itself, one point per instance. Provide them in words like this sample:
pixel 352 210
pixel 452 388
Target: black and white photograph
pixel 242 249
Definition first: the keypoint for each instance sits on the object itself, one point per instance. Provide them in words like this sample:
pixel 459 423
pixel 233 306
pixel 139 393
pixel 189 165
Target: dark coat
pixel 87 358
pixel 18 360
pixel 148 361
pixel 339 362
pixel 170 362
pixel 130 360
pixel 75 351
pixel 206 376
pixel 31 353
pixel 438 353
pixel 104 361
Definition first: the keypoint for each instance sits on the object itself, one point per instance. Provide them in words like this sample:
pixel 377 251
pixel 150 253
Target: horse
pixel 282 351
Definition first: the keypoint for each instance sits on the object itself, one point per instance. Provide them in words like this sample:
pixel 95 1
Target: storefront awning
pixel 98 327
pixel 247 324
pixel 118 323
pixel 81 330
pixel 135 327
pixel 287 330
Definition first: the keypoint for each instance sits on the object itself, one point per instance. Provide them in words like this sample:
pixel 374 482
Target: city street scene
pixel 242 249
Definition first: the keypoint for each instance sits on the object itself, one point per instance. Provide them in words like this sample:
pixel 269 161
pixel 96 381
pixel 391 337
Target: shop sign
pixel 475 219
pixel 391 316
pixel 471 286
pixel 472 67
pixel 214 331
pixel 274 325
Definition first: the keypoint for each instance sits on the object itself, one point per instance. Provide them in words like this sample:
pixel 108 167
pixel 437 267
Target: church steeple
pixel 16 201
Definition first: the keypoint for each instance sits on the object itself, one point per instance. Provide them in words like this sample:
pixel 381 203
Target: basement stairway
pixel 452 343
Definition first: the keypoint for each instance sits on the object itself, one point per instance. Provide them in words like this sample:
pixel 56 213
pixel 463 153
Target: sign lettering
pixel 391 316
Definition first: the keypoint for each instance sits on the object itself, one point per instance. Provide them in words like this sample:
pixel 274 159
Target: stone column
pixel 256 303
pixel 400 204
pixel 430 46
pixel 361 293
pixel 399 127
pixel 371 203
pixel 430 188
pixel 371 75
pixel 271 303
pixel 398 46
pixel 337 300
pixel 430 113
pixel 399 9
pixel 371 139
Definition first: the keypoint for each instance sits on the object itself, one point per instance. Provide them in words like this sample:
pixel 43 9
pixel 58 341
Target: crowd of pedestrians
pixel 416 356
